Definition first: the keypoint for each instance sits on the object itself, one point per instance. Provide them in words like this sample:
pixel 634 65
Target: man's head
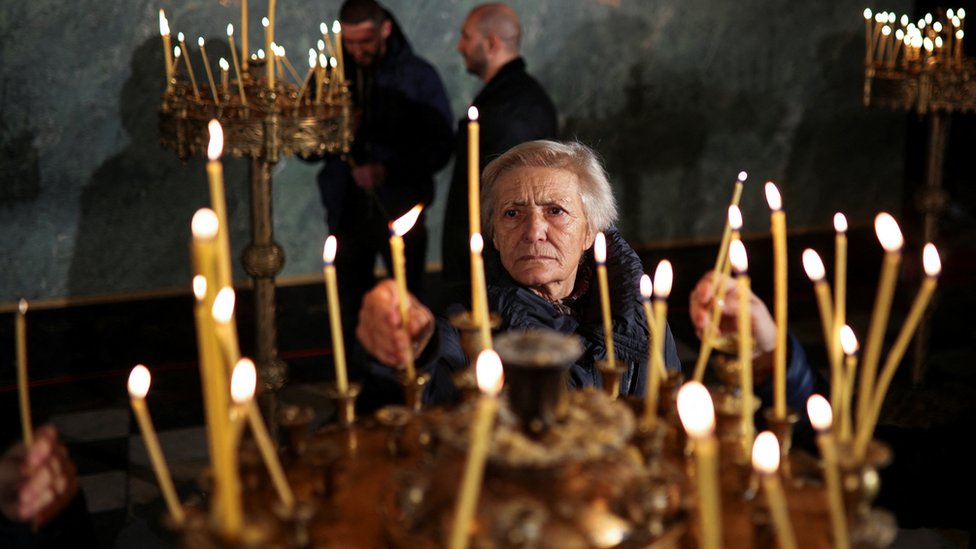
pixel 365 28
pixel 490 38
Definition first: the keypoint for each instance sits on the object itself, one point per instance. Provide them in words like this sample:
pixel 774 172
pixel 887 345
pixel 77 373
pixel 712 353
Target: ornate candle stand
pixel 261 126
pixel 934 86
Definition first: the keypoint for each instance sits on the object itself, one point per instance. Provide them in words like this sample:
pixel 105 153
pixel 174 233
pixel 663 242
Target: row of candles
pixel 937 41
pixel 325 64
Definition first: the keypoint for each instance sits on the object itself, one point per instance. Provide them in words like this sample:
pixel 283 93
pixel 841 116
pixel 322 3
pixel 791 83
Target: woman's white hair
pixel 599 204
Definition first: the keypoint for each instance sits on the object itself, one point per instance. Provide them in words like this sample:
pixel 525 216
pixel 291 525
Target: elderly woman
pixel 543 203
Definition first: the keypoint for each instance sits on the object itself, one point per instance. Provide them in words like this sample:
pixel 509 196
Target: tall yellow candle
pixel 244 50
pixel 399 228
pixel 814 267
pixel 600 257
pixel 740 265
pixel 341 64
pixel 891 240
pixel 335 319
pixel 646 291
pixel 821 417
pixel 868 36
pixel 270 40
pixel 206 66
pixel 189 66
pixel 23 392
pixel 848 342
pixel 840 287
pixel 663 281
pixel 237 67
pixel 215 179
pixel 139 380
pixel 719 278
pixel 490 381
pixel 224 74
pixel 167 49
pixel 269 53
pixel 474 172
pixel 479 298
pixel 933 266
pixel 697 414
pixel 312 66
pixel 778 228
pixel 765 461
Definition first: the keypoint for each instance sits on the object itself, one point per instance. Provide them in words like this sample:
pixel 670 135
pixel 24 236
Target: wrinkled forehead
pixel 536 185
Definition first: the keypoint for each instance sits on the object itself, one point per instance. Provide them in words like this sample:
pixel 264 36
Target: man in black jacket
pixel 402 138
pixel 513 108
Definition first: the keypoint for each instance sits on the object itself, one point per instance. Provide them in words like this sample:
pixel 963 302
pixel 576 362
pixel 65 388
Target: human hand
pixel 369 176
pixel 37 483
pixel 701 302
pixel 380 328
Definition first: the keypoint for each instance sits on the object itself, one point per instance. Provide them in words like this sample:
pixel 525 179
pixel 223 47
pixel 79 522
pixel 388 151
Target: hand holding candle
pixel 697 415
pixel 490 381
pixel 335 319
pixel 139 380
pixel 765 460
pixel 821 417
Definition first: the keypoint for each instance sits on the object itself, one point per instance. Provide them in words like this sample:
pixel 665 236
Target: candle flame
pixel 230 29
pixel 177 52
pixel 200 42
pixel 886 30
pixel 329 252
pixel 917 41
pixel 600 248
pixel 224 65
pixel 323 60
pixel 260 53
pixel 179 37
pixel 938 41
pixel 216 146
pixel 738 257
pixel 199 287
pixel 950 14
pixel 928 18
pixel 489 372
pixel 163 23
pixel 22 307
pixel 888 232
pixel 204 224
pixel 813 265
pixel 406 221
pixel 473 113
pixel 646 288
pixel 336 27
pixel 265 22
pixel 765 453
pixel 477 243
pixel 333 63
pixel 937 26
pixel 904 20
pixel 312 58
pixel 243 381
pixel 867 14
pixel 931 261
pixel 921 24
pixel 961 13
pixel 848 341
pixel 696 410
pixel 320 45
pixel 819 412
pixel 773 197
pixel 323 28
pixel 663 279
pixel 735 218
pixel 959 34
pixel 223 305
pixel 840 222
pixel 900 34
pixel 891 17
pixel 880 17
pixel 139 381
pixel 742 176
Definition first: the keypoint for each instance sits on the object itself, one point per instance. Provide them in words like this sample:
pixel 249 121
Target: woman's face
pixel 540 228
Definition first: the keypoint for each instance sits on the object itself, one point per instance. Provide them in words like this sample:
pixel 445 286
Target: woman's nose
pixel 536 227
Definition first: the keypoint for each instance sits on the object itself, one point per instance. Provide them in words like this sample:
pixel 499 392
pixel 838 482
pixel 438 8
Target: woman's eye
pixel 556 210
pixel 510 213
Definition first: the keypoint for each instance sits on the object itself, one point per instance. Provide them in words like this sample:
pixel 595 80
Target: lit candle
pixel 814 267
pixel 490 381
pixel 233 57
pixel 646 290
pixel 600 257
pixel 224 329
pixel 778 228
pixel 958 53
pixel 933 266
pixel 323 62
pixel 765 461
pixel 821 417
pixel 719 279
pixel 215 178
pixel 474 172
pixel 663 281
pixel 176 58
pixel 224 74
pixel 697 415
pixel 891 240
pixel 337 31
pixel 879 20
pixel 244 50
pixel 243 382
pixel 291 68
pixel 139 380
pixel 336 77
pixel 740 264
pixel 840 285
pixel 189 66
pixel 326 42
pixel 268 38
pixel 206 66
pixel 335 320
pixel 868 42
pixel 896 46
pixel 883 46
pixel 167 49
pixel 479 297
pixel 308 78
pixel 23 392
pixel 848 342
pixel 399 228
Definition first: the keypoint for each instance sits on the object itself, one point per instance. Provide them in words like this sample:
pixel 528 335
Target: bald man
pixel 513 108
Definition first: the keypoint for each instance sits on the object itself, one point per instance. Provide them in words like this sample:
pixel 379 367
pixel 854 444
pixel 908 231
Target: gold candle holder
pixel 472 345
pixel 344 402
pixel 861 483
pixel 395 419
pixel 413 384
pixel 610 373
pixel 782 427
pixel 296 420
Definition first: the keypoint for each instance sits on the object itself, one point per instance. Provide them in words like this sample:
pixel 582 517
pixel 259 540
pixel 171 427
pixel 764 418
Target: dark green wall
pixel 677 95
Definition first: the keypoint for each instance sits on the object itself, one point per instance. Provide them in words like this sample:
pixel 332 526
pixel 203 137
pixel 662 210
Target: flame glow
pixel 848 341
pixel 600 248
pixel 765 453
pixel 735 218
pixel 230 29
pixel 489 371
pixel 477 243
pixel 738 257
pixel 931 261
pixel 813 265
pixel 473 113
pixel 223 305
pixel 663 279
pixel 204 223
pixel 139 381
pixel 840 222
pixel 329 251
pixel 216 146
pixel 888 232
pixel 163 23
pixel 199 287
pixel 818 409
pixel 336 27
pixel 646 287
pixel 773 198
pixel 696 410
pixel 243 381
pixel 405 222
